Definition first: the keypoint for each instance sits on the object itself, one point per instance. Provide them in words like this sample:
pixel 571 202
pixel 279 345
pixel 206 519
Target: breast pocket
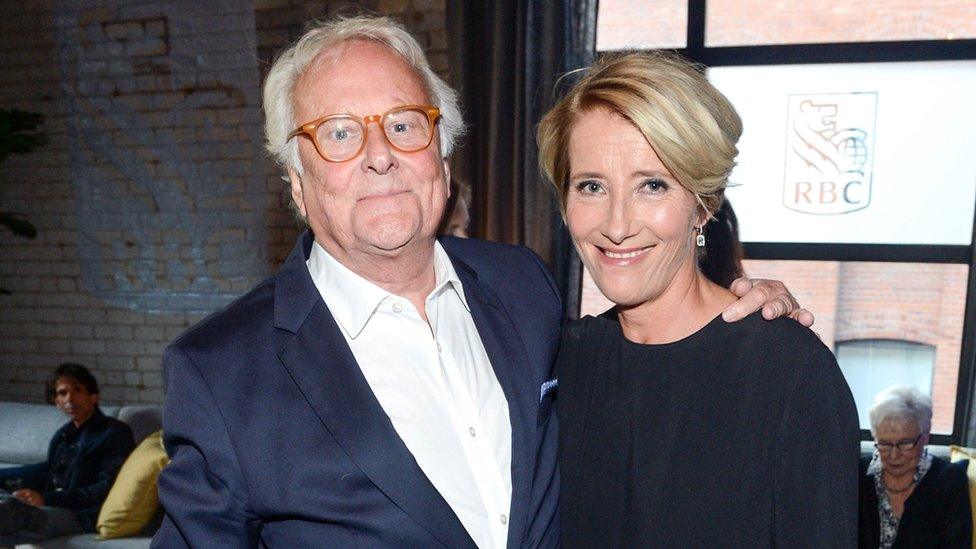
pixel 548 392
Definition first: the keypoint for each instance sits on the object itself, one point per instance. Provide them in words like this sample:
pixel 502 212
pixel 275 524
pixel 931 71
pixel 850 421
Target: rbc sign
pixel 829 153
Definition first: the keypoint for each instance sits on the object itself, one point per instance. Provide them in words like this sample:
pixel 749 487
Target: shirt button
pixel 438 346
pixel 397 307
pixel 472 432
pixel 504 519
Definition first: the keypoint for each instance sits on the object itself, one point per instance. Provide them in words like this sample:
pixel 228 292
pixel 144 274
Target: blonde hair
pixel 279 86
pixel 691 126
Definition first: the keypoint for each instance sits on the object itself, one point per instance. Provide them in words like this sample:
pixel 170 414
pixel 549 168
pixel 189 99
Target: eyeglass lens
pixel 342 136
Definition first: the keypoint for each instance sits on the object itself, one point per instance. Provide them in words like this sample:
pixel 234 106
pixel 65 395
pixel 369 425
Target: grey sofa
pixel 26 430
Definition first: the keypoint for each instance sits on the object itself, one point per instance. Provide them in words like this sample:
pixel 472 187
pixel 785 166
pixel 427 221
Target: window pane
pixel 759 22
pixel 878 153
pixel 873 365
pixel 629 25
pixel 921 303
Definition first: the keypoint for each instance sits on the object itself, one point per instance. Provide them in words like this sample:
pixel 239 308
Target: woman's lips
pixel 622 256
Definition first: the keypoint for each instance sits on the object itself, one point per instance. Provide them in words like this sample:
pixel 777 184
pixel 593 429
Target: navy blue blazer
pixel 99 448
pixel 277 440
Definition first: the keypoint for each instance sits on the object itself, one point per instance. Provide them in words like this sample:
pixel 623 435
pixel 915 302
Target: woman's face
pixel 632 222
pixel 897 462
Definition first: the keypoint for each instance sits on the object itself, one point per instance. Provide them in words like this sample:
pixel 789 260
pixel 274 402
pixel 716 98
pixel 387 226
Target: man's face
pixel 382 203
pixel 74 399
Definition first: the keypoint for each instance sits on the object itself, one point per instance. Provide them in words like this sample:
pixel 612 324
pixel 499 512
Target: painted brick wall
pixel 154 201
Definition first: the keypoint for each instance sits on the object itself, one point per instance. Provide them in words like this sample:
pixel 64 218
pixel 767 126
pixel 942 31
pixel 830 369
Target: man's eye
pixel 339 135
pixel 400 128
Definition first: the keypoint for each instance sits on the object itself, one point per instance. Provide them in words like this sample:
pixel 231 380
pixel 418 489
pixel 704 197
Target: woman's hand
pixel 770 295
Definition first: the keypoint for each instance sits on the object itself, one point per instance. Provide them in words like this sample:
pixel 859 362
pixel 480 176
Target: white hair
pixel 279 86
pixel 903 404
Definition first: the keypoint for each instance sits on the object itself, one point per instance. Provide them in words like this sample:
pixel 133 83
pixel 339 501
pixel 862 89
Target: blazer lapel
pixel 506 353
pixel 322 365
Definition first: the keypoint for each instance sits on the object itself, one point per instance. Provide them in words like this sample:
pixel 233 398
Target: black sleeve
pixel 816 461
pixel 956 525
pixel 112 452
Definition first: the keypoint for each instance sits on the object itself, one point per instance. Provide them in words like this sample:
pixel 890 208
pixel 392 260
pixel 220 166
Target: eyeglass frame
pixel 309 129
pixel 892 445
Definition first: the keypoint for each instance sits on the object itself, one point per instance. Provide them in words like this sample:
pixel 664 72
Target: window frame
pixel 860 52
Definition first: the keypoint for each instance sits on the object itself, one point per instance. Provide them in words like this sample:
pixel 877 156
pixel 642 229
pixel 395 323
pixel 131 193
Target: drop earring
pixel 700 240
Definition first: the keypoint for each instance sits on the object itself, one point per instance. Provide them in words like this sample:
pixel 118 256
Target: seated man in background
pixel 63 495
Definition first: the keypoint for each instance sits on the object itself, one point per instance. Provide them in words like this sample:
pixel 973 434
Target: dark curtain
pixel 506 59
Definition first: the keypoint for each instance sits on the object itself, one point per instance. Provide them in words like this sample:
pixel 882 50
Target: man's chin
pixel 390 239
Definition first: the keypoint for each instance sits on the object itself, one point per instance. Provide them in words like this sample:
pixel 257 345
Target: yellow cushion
pixel 134 498
pixel 957 453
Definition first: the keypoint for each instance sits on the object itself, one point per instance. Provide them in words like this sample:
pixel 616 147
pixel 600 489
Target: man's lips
pixel 383 195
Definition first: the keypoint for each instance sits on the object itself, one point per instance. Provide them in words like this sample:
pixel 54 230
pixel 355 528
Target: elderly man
pixel 67 491
pixel 384 388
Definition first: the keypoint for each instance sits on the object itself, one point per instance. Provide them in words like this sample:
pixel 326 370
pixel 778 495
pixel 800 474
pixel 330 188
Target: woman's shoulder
pixel 780 339
pixel 949 471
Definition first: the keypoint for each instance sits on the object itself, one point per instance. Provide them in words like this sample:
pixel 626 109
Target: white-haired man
pixel 385 388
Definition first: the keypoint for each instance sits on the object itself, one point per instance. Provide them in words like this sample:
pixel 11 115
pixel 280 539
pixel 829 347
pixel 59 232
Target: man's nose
pixel 379 156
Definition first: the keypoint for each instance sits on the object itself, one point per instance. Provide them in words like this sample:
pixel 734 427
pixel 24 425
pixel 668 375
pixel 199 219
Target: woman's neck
pixel 684 307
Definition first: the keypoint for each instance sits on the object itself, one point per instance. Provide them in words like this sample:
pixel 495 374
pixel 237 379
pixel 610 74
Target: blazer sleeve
pixel 956 524
pixel 110 452
pixel 542 529
pixel 202 490
pixel 816 461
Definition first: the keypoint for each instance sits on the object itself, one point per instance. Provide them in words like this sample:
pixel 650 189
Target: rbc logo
pixel 829 153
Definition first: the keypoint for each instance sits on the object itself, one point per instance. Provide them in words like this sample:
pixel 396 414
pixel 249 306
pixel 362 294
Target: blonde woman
pixel 677 428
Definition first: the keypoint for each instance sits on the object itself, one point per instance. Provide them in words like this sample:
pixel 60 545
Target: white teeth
pixel 627 255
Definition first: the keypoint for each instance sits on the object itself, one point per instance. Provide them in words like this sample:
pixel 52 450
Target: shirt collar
pixel 74 431
pixel 446 276
pixel 353 300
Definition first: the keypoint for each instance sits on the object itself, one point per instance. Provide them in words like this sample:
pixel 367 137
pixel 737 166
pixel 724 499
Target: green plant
pixel 19 135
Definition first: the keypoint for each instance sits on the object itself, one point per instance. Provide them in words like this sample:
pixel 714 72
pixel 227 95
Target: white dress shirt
pixel 435 383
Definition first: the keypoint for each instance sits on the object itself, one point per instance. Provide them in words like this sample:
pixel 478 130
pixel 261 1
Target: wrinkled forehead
pixel 355 76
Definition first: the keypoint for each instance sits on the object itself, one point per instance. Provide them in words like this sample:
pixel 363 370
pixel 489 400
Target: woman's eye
pixel 589 187
pixel 655 185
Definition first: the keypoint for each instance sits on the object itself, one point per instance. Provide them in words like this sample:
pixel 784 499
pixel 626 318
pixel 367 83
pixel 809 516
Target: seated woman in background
pixel 910 498
pixel 678 429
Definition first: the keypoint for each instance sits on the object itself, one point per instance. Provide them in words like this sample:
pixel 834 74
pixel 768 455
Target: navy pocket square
pixel 547 387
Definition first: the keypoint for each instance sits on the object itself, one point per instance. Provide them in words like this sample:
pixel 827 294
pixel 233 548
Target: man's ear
pixel 97 397
pixel 297 193
pixel 447 176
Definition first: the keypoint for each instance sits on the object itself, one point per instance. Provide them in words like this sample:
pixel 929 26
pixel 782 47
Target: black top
pixel 740 435
pixel 82 465
pixel 937 514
